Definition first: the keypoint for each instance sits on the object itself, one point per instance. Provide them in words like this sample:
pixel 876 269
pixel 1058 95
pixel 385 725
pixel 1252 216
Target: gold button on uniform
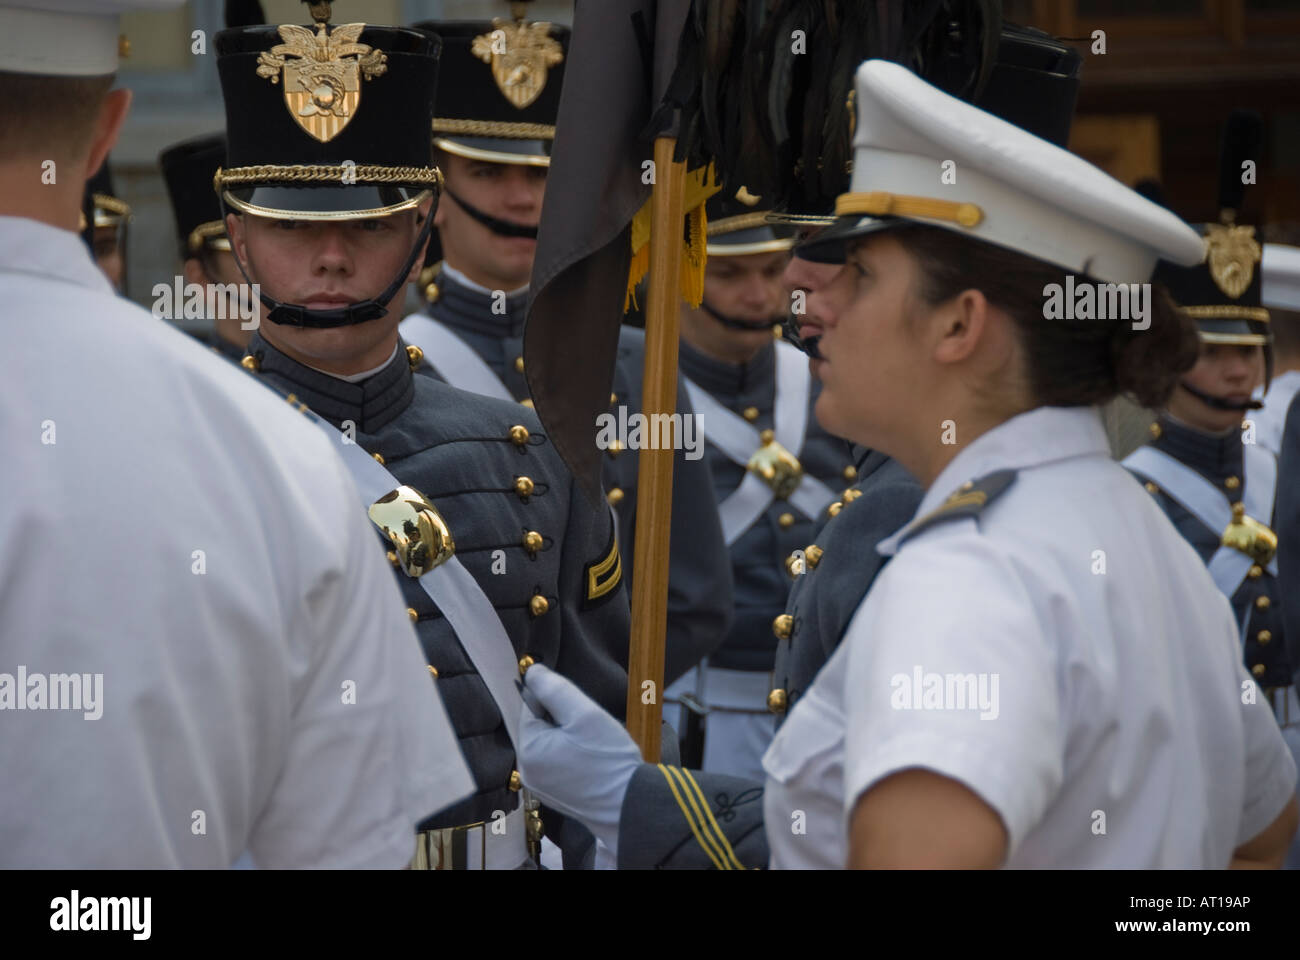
pixel 1155 431
pixel 532 541
pixel 613 399
pixel 794 565
pixel 851 494
pixel 615 448
pixel 524 487
pixel 835 508
pixel 783 626
pixel 433 671
pixel 1259 669
pixel 519 364
pixel 1151 487
pixel 786 520
pixel 850 472
pixel 379 458
pixel 515 781
pixel 250 363
pixel 392 558
pixel 432 293
pixel 776 701
pixel 1264 636
pixel 615 496
pixel 1262 602
pixel 766 437
pixel 518 435
pixel 527 402
pixel 538 605
pixel 1232 483
pixel 1255 572
pixel 525 662
pixel 414 356
pixel 813 553
pixel 413 614
pixel 750 414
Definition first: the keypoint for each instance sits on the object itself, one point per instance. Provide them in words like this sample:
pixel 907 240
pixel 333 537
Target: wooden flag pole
pixel 655 469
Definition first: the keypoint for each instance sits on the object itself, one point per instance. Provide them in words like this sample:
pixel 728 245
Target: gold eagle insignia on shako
pixel 1232 253
pixel 322 74
pixel 519 54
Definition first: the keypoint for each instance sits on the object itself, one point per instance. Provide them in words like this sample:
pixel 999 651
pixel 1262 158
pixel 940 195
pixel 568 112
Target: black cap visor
pixel 533 153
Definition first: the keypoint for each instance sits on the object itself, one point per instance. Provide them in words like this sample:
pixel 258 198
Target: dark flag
pixel 621 58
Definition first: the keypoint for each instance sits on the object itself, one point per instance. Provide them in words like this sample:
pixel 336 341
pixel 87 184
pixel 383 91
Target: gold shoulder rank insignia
pixel 519 54
pixel 968 501
pixel 322 74
pixel 603 575
pixel 1232 253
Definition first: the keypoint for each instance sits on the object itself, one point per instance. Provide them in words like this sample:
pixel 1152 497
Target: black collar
pixel 730 379
pixel 1213 456
pixel 371 404
pixel 463 308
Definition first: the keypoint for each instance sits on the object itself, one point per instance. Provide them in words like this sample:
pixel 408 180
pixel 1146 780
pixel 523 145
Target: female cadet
pixel 1043 675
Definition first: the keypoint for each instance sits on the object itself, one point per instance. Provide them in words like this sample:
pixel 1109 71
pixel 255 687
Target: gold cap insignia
pixel 322 74
pixel 1232 253
pixel 519 54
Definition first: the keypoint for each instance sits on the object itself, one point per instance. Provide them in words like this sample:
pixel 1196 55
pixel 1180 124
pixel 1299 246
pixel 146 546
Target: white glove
pixel 581 763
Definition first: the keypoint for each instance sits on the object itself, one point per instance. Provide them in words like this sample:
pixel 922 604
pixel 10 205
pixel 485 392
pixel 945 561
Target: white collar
pixel 31 246
pixel 465 281
pixel 1040 436
pixel 358 377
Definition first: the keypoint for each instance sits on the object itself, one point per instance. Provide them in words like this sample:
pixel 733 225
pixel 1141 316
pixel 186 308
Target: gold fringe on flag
pixel 701 184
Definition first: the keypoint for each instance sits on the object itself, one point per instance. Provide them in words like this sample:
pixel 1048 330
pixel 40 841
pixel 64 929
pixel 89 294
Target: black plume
pixel 244 13
pixel 1243 135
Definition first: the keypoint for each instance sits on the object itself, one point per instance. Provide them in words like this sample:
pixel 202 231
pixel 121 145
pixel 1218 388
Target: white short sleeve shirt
pixel 190 548
pixel 1064 655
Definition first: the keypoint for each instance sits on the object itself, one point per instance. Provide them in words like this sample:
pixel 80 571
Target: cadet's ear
pixel 108 124
pixel 235 231
pixel 194 272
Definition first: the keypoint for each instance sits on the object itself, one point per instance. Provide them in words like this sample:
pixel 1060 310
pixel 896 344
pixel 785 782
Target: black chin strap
pixel 295 315
pixel 1218 404
pixel 502 228
pixel 736 323
pixel 809 346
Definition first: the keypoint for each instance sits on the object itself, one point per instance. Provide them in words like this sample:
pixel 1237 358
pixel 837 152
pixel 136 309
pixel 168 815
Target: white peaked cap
pixel 1281 275
pixel 1011 188
pixel 65 38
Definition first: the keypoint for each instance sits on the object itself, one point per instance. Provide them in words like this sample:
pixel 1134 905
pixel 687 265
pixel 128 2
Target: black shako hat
pixel 1224 293
pixel 327 122
pixel 187 169
pixel 500 94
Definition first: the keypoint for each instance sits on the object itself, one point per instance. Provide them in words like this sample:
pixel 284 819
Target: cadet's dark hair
pixel 1069 362
pixel 48 116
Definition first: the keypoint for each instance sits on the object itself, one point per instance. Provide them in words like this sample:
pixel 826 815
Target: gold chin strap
pixel 880 204
pixel 1250 537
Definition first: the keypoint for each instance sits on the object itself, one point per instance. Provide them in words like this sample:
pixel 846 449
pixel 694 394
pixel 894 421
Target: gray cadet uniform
pixel 504 493
pixel 544 562
pixel 699 581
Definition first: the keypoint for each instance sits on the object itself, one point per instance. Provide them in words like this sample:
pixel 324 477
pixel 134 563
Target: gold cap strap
pixel 325 172
pixel 504 129
pixel 879 203
pixel 211 234
pixel 1227 311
